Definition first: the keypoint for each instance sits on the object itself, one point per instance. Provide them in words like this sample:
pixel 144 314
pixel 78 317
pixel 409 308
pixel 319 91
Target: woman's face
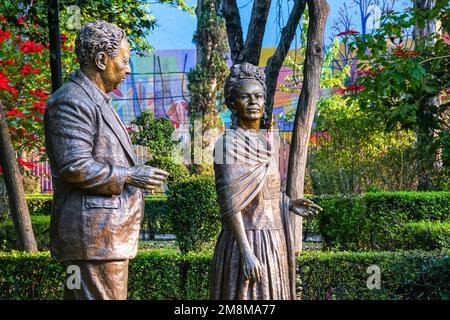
pixel 248 100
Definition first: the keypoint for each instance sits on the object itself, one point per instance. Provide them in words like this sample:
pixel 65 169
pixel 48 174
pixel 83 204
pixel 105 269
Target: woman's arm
pixel 250 264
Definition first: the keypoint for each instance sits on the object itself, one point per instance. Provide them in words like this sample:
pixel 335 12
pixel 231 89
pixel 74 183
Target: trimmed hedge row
pixel 375 221
pixel 413 275
pixel 322 275
pixel 41 227
pixel 426 235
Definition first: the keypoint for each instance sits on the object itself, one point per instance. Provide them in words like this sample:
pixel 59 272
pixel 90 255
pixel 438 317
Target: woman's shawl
pixel 241 165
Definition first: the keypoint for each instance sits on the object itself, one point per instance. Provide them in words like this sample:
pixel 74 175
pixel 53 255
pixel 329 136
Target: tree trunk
pixel 426 149
pixel 275 62
pixel 230 12
pixel 14 186
pixel 306 107
pixel 256 29
pixel 55 44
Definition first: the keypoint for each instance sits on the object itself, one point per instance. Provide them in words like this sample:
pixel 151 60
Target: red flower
pixel 31 46
pixel 39 93
pixel 347 33
pixel 4 35
pixel 402 53
pixel 63 37
pixel 21 20
pixel 2 18
pixel 365 73
pixel 28 69
pixel 14 113
pixel 353 88
pixel 25 163
pixel 38 107
pixel 4 84
pixel 8 62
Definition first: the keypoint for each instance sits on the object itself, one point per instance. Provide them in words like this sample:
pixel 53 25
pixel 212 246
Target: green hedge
pixel 156 217
pixel 375 221
pixel 41 226
pixel 426 235
pixel 194 212
pixel 39 204
pixel 167 275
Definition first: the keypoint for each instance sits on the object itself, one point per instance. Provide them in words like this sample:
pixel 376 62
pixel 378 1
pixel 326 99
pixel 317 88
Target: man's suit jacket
pixel 95 215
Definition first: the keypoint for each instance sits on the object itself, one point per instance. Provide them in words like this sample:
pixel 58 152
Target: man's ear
pixel 100 60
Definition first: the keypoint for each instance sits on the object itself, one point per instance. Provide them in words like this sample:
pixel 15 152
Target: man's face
pixel 249 100
pixel 117 68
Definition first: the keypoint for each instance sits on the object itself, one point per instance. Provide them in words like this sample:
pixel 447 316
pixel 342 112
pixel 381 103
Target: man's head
pixel 103 48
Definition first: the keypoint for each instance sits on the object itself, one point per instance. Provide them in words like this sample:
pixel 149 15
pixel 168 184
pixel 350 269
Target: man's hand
pixel 146 177
pixel 304 207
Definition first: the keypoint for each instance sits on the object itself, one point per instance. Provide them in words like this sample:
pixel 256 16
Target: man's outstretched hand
pixel 304 207
pixel 146 177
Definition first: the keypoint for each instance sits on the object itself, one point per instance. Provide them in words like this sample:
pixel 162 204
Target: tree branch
pixel 306 107
pixel 230 12
pixel 256 29
pixel 276 61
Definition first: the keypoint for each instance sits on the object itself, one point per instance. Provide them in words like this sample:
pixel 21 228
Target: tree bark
pixel 230 12
pixel 276 61
pixel 14 186
pixel 306 107
pixel 55 44
pixel 256 29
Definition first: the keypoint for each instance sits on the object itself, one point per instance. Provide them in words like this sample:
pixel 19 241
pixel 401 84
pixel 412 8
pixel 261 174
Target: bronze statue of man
pixel 254 256
pixel 97 205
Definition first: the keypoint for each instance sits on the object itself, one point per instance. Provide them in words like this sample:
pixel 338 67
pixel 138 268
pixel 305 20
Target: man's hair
pixel 240 72
pixel 95 37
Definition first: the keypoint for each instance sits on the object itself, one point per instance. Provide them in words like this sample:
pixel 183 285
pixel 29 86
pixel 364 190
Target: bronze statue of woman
pixel 254 256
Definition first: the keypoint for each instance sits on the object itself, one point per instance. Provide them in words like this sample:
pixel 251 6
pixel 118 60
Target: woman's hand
pixel 304 207
pixel 251 266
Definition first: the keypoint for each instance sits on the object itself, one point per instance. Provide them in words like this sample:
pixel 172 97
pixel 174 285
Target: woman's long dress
pixel 252 187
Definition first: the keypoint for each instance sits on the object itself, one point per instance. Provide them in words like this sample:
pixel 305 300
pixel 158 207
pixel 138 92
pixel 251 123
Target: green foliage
pixel 322 275
pixel 39 204
pixel 194 212
pixel 40 224
pixel 177 171
pixel 156 218
pixel 206 80
pixel 426 235
pixel 375 221
pixel 154 134
pixel 404 275
pixel 407 85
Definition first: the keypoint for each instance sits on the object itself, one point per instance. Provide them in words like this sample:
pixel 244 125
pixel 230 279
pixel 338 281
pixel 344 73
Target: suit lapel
pixel 107 113
pixel 119 131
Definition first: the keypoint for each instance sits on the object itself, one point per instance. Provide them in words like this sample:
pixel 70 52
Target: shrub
pixel 426 235
pixel 156 274
pixel 177 171
pixel 375 221
pixel 194 212
pixel 154 133
pixel 404 275
pixel 41 226
pixel 39 204
pixel 156 217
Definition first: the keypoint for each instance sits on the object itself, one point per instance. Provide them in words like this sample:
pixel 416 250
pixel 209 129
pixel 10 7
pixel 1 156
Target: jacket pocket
pixel 102 202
